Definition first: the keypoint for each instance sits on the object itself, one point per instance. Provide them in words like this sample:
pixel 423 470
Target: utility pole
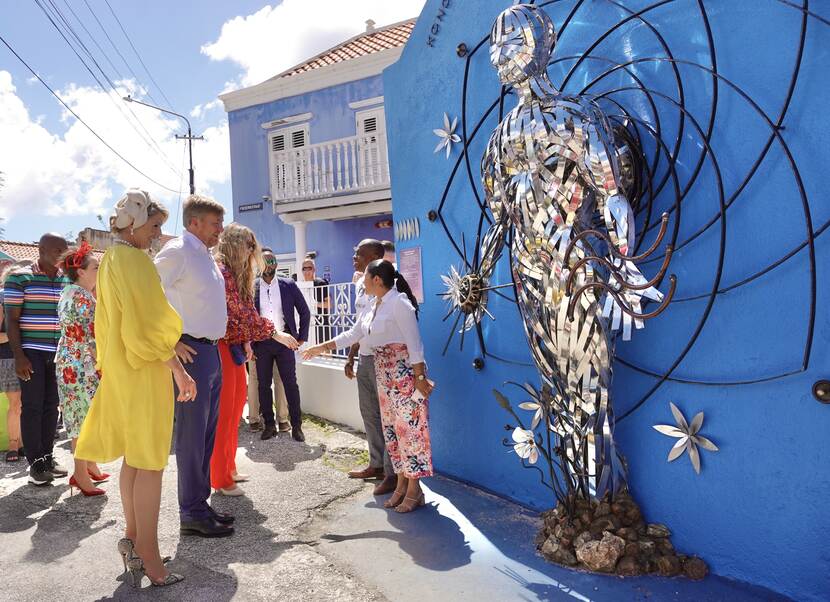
pixel 189 137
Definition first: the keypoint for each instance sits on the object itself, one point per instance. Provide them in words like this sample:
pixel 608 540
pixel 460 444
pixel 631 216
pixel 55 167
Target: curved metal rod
pixel 664 221
pixel 624 284
pixel 602 286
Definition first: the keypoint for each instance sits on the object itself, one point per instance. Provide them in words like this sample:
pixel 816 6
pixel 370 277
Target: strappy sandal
pixel 126 548
pixel 136 572
pixel 410 504
pixel 393 501
pixel 13 455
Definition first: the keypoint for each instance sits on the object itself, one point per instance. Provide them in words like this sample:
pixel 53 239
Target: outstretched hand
pixel 313 351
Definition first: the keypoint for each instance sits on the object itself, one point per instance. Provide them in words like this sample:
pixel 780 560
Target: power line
pixel 78 117
pixel 152 144
pixel 126 35
pixel 118 51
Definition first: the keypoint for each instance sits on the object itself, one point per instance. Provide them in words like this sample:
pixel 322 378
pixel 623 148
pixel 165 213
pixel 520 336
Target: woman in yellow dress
pixel 131 415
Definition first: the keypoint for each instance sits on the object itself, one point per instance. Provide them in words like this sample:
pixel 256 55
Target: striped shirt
pixel 37 295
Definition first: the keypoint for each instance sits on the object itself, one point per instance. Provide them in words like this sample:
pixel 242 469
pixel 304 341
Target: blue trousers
pixel 268 353
pixel 196 431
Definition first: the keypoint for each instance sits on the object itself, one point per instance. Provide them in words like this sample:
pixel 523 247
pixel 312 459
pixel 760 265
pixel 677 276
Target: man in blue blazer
pixel 278 299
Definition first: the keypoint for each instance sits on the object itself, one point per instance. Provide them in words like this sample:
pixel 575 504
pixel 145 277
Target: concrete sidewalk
pixel 306 532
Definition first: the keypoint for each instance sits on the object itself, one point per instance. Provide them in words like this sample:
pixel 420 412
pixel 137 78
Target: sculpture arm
pixel 618 219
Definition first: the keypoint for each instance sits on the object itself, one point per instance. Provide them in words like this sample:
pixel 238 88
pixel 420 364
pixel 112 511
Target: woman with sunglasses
pixel 238 256
pixel 75 359
pixel 390 329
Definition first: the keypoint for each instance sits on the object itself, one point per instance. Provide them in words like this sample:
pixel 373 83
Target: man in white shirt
pixel 279 300
pixel 195 288
pixel 380 465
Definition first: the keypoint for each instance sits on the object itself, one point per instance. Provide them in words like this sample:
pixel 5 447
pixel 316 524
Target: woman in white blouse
pixel 391 330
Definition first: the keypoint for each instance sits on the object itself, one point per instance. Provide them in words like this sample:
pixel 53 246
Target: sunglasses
pixel 270 261
pixel 308 268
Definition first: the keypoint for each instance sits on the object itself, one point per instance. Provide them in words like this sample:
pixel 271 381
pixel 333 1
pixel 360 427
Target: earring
pixel 132 231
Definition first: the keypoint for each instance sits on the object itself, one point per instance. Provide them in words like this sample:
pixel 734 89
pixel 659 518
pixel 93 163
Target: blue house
pixel 308 153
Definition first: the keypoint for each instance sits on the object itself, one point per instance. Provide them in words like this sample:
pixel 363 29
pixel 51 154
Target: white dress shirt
pixel 394 322
pixel 362 301
pixel 270 303
pixel 194 286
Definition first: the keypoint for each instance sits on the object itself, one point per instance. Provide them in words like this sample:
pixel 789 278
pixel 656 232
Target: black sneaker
pixel 38 474
pixel 55 468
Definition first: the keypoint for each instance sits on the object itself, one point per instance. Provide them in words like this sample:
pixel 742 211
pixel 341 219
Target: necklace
pixel 121 241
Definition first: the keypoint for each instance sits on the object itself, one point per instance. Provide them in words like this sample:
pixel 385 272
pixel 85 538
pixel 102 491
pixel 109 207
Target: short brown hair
pixel 196 205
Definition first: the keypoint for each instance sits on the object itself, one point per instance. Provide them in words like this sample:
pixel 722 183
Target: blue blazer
pixel 292 299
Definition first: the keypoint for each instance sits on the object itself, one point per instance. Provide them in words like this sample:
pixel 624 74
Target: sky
pixel 58 176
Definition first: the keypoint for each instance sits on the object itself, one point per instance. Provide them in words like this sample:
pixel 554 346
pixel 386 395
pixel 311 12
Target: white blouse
pixel 394 322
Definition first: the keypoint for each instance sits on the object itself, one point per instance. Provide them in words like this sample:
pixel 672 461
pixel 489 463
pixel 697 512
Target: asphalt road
pixel 57 547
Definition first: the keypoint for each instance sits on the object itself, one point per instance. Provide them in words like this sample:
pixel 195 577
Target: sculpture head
pixel 521 43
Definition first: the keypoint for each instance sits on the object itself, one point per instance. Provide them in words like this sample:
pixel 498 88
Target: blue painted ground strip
pixel 461 525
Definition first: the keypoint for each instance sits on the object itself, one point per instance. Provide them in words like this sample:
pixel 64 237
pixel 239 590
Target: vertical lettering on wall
pixel 435 28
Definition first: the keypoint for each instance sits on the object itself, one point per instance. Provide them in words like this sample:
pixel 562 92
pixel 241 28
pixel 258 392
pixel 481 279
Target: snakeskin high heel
pixel 136 572
pixel 126 548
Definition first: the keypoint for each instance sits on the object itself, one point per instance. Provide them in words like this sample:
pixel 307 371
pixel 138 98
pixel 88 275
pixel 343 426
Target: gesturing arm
pixel 13 300
pixel 616 213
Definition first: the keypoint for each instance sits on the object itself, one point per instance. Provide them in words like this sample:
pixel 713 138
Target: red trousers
pixel 231 404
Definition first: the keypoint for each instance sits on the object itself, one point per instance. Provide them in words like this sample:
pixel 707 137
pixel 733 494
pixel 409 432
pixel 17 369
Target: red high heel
pixel 88 493
pixel 97 477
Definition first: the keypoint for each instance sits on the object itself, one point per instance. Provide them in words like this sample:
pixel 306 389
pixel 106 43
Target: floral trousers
pixel 405 421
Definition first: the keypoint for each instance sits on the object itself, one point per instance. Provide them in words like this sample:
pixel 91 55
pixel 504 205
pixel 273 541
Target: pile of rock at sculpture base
pixel 610 536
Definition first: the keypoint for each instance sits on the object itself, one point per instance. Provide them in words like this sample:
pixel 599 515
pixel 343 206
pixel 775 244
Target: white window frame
pixel 371 147
pixel 288 132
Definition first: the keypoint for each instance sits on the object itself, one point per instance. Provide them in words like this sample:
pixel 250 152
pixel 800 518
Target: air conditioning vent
pixel 297 139
pixel 278 143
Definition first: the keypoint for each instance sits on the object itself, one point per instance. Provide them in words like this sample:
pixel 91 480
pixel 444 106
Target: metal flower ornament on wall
pixel 447 135
pixel 688 437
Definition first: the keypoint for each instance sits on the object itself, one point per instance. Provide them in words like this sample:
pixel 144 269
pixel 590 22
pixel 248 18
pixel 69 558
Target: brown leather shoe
pixel 284 427
pixel 367 473
pixel 387 485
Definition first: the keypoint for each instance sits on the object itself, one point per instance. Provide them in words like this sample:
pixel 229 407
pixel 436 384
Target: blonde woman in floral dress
pixel 75 359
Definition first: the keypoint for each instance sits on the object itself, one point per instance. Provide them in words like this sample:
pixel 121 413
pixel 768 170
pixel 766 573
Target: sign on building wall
pixel 409 265
pixel 250 207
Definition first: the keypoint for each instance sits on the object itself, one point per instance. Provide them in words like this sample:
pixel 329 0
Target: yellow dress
pixel 136 331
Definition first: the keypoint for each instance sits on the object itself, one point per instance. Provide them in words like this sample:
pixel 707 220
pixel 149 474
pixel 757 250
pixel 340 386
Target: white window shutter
pixel 277 143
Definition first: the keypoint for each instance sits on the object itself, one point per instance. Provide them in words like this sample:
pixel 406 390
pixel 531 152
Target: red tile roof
pixel 19 250
pixel 369 42
pixel 22 251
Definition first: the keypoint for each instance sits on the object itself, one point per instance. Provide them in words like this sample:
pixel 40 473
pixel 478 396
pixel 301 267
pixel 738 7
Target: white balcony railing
pixel 331 168
pixel 332 312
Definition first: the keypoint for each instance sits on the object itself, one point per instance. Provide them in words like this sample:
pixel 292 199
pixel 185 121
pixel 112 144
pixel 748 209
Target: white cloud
pixel 200 111
pixel 73 173
pixel 276 38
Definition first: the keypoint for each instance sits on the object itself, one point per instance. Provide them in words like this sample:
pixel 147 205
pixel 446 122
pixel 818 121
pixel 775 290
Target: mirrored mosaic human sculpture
pixel 553 182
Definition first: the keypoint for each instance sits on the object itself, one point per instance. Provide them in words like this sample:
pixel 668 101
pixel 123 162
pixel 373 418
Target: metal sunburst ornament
pixel 447 135
pixel 688 437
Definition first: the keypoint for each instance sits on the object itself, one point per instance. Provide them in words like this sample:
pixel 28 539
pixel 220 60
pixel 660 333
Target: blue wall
pixel 332 119
pixel 757 510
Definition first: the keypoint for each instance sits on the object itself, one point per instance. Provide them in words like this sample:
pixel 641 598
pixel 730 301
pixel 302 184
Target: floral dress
pixel 75 359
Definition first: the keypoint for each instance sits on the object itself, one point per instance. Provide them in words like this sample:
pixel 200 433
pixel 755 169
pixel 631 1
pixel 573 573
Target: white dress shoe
pixel 233 492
